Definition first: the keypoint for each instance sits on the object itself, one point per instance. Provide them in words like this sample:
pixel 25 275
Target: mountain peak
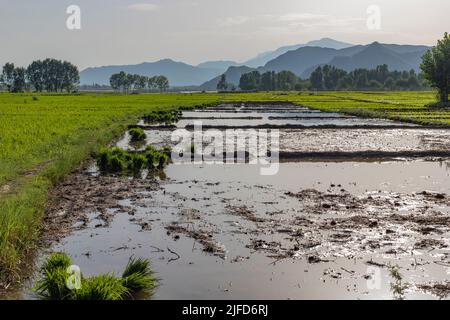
pixel 167 60
pixel 328 43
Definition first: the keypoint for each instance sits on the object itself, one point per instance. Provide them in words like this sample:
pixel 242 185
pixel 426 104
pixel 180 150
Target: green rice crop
pixel 117 160
pixel 52 284
pixel 137 135
pixel 43 137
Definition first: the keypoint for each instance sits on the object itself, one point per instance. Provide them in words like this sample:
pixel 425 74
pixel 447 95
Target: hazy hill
pixel 263 58
pixel 301 59
pixel 372 56
pixel 304 60
pixel 233 75
pixel 220 65
pixel 179 73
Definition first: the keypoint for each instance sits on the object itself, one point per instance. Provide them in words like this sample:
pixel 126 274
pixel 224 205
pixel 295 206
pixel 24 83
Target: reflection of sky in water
pixel 336 139
pixel 206 191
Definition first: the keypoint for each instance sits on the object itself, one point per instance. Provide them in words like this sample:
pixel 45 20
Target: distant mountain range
pixel 179 73
pixel 301 59
pixel 263 58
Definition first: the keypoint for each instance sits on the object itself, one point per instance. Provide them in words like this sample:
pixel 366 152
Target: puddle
pixel 315 230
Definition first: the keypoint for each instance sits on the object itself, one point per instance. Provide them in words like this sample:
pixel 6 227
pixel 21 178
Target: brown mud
pixel 328 229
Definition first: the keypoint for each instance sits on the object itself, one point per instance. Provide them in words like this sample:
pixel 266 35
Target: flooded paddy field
pixel 326 226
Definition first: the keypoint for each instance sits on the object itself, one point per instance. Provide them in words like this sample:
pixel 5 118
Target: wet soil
pixel 323 229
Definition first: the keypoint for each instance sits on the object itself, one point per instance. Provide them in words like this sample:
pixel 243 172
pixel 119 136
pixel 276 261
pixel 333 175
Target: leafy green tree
pixel 19 83
pixel 7 77
pixel 71 76
pixel 268 81
pixel 222 85
pixel 129 82
pixel 151 83
pixel 140 82
pixel 316 79
pixel 361 81
pixel 119 81
pixel 436 67
pixel 35 75
pixel 123 80
pixel 286 80
pixel 331 76
pixel 250 81
pixel 114 81
pixel 163 83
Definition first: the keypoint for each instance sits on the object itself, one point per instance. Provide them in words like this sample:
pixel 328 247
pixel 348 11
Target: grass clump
pixel 52 285
pixel 156 159
pixel 119 161
pixel 398 286
pixel 102 287
pixel 137 135
pixel 137 275
pixel 54 275
pixel 168 117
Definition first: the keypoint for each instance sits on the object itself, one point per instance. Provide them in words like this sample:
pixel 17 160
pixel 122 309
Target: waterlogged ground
pixel 322 229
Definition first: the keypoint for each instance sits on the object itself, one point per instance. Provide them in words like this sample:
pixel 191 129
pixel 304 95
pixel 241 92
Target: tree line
pixel 50 75
pixel 125 82
pixel 271 81
pixel 331 78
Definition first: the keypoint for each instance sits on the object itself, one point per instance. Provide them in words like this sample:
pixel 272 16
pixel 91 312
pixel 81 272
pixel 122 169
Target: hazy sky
pixel 133 31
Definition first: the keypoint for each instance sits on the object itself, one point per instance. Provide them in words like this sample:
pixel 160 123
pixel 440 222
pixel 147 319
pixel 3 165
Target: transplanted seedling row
pixel 119 161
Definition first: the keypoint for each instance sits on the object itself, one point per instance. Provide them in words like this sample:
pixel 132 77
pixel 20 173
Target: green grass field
pixel 44 137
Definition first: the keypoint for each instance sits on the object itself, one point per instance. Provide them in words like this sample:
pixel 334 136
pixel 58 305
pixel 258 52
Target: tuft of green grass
pixel 137 135
pixel 398 287
pixel 52 284
pixel 102 287
pixel 138 276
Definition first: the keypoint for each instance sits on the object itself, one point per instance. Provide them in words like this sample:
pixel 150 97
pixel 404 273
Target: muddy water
pixel 315 230
pixel 338 140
